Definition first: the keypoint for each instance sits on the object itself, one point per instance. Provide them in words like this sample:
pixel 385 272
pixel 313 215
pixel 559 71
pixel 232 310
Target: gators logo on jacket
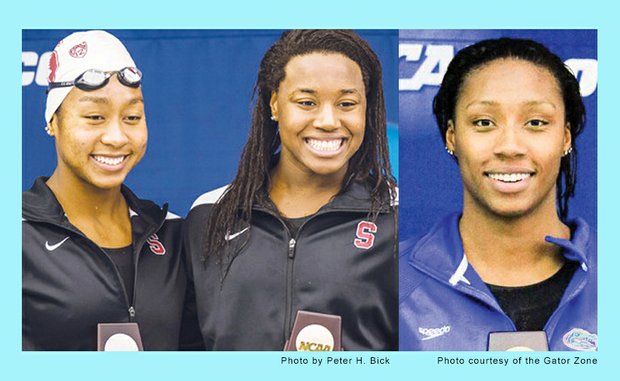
pixel 580 340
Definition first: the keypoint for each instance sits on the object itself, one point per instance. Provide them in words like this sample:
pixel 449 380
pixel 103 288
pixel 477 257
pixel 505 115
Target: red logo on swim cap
pixel 79 50
pixel 53 66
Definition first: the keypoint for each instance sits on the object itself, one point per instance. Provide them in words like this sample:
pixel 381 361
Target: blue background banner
pixel 197 86
pixel 430 182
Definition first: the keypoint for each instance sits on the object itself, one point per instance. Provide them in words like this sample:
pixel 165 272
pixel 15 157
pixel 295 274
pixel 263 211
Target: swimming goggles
pixel 94 79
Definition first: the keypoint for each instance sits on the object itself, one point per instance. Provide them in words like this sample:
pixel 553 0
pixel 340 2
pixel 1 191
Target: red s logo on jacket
pixel 365 235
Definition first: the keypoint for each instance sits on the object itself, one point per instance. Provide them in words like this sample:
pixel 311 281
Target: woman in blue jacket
pixel 509 112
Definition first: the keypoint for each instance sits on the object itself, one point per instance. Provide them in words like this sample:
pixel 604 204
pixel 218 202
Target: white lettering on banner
pixel 31 59
pixel 586 71
pixel 429 73
pixel 437 57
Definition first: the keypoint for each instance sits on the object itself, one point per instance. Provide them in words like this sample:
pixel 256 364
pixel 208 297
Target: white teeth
pixel 325 145
pixel 109 160
pixel 509 177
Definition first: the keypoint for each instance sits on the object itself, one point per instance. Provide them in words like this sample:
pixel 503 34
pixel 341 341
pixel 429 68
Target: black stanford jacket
pixel 69 284
pixel 338 263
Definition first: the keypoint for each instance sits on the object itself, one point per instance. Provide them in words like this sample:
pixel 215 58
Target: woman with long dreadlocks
pixel 509 112
pixel 309 222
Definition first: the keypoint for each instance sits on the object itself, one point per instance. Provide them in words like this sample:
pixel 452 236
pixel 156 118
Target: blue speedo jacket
pixel 444 305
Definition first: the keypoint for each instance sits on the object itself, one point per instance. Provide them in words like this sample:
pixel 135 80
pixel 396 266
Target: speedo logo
pixel 431 333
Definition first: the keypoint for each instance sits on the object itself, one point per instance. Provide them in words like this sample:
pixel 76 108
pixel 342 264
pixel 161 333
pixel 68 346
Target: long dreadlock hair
pixel 483 52
pixel 369 164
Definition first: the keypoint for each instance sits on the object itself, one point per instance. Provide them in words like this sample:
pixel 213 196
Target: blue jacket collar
pixel 429 254
pixel 575 249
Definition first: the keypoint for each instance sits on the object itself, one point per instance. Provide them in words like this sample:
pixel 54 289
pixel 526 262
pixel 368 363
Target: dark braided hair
pixel 483 52
pixel 370 164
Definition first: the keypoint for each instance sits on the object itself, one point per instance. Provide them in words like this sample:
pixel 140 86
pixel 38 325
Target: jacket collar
pixel 356 197
pixel 576 249
pixel 440 253
pixel 40 204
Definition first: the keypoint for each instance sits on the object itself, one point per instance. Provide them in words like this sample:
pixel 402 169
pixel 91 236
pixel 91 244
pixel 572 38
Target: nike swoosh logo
pixel 56 246
pixel 230 237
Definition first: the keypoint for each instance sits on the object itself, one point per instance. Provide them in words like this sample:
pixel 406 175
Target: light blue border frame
pixel 475 14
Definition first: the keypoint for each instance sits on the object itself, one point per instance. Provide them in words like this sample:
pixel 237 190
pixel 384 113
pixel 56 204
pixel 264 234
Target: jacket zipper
pixel 289 287
pixel 291 247
pixel 130 309
pixel 136 253
pixel 290 265
pixel 290 261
